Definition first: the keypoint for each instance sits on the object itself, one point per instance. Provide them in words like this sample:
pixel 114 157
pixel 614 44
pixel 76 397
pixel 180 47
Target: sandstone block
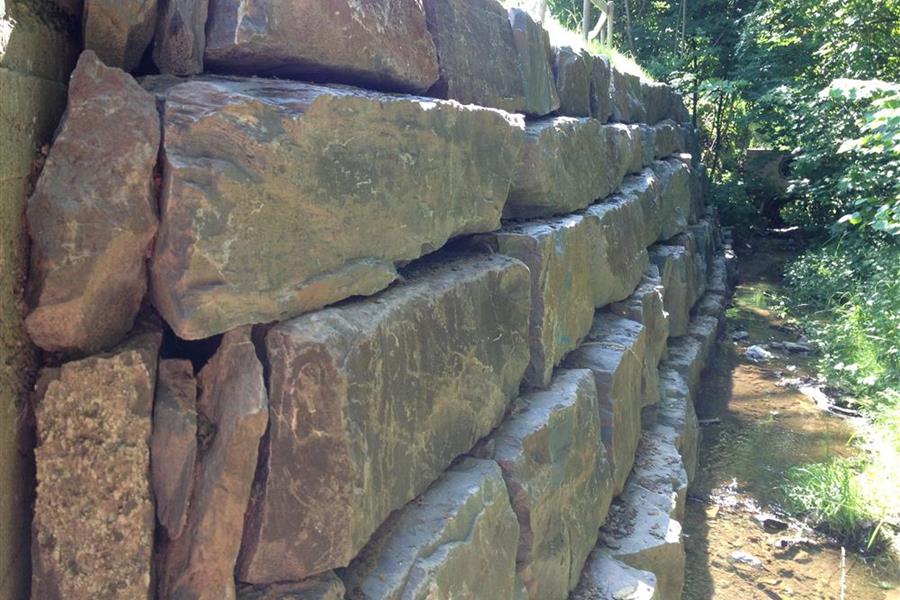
pixel 559 255
pixel 675 203
pixel 180 39
pixel 675 268
pixel 458 540
pixel 718 282
pixel 658 468
pixel 92 534
pixel 282 197
pixel 119 31
pixel 601 90
pixel 534 50
pixel 668 139
pixel 711 305
pixel 696 271
pixel 618 256
pixel 624 152
pixel 173 447
pixel 562 168
pixel 658 100
pixel 705 330
pixel 605 578
pixel 556 469
pixel 371 400
pixel 573 70
pixel 648 144
pixel 614 352
pixel 626 98
pixel 91 231
pixel 321 587
pixel 311 39
pixel 645 187
pixel 477 55
pixel 685 357
pixel 233 406
pixel 676 410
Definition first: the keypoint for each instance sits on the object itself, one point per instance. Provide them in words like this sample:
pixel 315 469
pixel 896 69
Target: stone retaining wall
pixel 369 300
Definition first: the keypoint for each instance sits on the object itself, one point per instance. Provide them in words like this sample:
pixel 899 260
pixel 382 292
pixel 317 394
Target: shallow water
pixel 759 429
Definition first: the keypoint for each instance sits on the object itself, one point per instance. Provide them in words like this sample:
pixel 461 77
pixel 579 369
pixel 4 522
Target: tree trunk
pixel 628 32
pixel 542 10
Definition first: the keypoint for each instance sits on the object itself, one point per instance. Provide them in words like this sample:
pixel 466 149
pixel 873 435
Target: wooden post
pixel 586 19
pixel 610 21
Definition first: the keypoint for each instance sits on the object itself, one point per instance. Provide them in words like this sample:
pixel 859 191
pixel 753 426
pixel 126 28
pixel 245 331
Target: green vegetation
pixel 817 80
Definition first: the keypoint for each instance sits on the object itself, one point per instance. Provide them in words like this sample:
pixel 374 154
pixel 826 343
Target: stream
pixel 755 426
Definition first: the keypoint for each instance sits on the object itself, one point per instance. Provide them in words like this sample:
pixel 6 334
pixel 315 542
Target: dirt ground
pixel 755 426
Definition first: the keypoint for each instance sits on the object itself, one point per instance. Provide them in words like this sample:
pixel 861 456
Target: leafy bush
pixel 734 204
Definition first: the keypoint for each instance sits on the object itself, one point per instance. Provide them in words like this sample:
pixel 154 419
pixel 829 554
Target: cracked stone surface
pixel 614 352
pixel 457 540
pixel 92 534
pixel 556 469
pixel 372 400
pixel 305 39
pixel 312 182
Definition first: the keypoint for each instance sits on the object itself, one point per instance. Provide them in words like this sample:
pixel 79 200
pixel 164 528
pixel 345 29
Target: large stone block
pixel 648 144
pixel 559 255
pixel 658 100
pixel 614 352
pixel 705 330
pixel 618 255
pixel 645 187
pixel 321 587
pixel 93 517
pixel 556 469
pixel 626 97
pixel 601 90
pixel 180 39
pixel 371 400
pixel 562 168
pixel 696 266
pixel 573 70
pixel 675 267
pixel 675 203
pixel 685 356
pixel 624 152
pixel 605 578
pixel 676 410
pixel 173 447
pixel 658 468
pixel 234 412
pixel 282 197
pixel 668 139
pixel 119 31
pixel 457 540
pixel 533 45
pixel 382 44
pixel 477 55
pixel 92 217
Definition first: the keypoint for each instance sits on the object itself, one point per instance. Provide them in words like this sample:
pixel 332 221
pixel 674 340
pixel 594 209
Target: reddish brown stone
pixel 119 31
pixel 173 447
pixel 375 43
pixel 92 217
pixel 93 516
pixel 234 408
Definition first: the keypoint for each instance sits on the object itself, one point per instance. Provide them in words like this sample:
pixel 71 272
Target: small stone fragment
pixel 119 31
pixel 173 447
pixel 200 563
pixel 92 217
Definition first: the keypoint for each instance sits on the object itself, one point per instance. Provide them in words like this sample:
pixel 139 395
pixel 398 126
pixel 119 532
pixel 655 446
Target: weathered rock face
pixel 646 188
pixel 626 98
pixel 476 53
pixel 614 352
pixel 372 400
pixel 648 144
pixel 676 410
pixel 658 468
pixel 308 39
pixel 658 100
pixel 668 139
pixel 173 447
pixel 574 72
pixel 685 357
pixel 322 587
pixel 281 197
pixel 556 469
pixel 119 31
pixel 91 232
pixel 675 203
pixel 232 404
pixel 696 266
pixel 601 90
pixel 93 517
pixel 458 540
pixel 625 154
pixel 533 45
pixel 561 169
pixel 618 254
pixel 705 330
pixel 181 37
pixel 675 265
pixel 558 254
pixel 605 578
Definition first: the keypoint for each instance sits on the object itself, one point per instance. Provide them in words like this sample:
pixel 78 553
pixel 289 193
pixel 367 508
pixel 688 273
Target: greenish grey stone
pixel 605 578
